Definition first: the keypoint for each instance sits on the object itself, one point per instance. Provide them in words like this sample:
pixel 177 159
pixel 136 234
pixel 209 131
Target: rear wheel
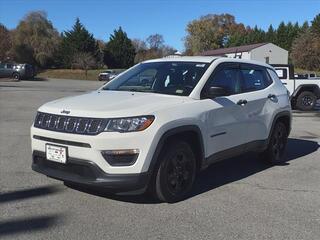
pixel 277 144
pixel 306 101
pixel 176 172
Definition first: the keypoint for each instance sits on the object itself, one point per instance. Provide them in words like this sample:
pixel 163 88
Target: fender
pixel 275 119
pixel 170 133
pixel 313 87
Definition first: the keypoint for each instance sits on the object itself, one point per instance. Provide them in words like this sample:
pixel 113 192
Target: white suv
pixel 157 124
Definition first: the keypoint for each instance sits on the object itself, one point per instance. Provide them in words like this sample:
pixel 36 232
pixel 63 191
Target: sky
pixel 140 18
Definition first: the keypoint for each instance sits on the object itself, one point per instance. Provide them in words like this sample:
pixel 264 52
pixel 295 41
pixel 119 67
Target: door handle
pixel 272 96
pixel 242 102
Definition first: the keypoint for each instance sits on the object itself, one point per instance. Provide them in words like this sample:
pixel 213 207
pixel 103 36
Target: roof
pixel 222 51
pixel 203 59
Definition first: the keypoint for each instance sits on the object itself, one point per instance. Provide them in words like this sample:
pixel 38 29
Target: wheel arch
pixel 307 87
pixel 189 133
pixel 285 117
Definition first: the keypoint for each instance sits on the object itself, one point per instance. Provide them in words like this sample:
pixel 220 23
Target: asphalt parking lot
pixel 240 198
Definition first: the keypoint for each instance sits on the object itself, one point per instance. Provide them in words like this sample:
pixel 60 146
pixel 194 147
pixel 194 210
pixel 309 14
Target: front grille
pixel 76 125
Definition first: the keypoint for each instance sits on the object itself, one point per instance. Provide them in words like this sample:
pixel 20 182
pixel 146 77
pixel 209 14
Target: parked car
pixel 304 92
pixel 16 71
pixel 129 136
pixel 107 75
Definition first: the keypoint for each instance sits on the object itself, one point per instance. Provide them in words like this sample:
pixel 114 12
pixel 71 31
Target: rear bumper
pixel 88 173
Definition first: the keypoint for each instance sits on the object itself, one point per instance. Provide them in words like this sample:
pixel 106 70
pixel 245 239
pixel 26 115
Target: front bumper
pixel 88 173
pixel 90 148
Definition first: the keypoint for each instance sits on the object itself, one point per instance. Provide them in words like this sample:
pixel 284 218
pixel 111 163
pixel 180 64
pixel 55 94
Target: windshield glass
pixel 175 78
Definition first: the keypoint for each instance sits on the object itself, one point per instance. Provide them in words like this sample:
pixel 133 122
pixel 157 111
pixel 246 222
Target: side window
pixel 254 79
pixel 227 78
pixel 9 66
pixel 2 65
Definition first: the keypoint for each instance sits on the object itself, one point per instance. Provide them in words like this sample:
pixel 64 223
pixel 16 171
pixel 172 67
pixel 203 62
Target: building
pixel 264 52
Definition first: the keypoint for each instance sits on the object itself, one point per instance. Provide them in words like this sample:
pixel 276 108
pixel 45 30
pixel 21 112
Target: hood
pixel 106 104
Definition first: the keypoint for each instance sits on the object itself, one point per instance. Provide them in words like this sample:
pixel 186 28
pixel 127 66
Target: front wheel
pixel 16 76
pixel 277 144
pixel 176 173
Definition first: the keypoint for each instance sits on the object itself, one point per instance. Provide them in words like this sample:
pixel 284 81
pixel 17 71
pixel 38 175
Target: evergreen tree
pixel 282 36
pixel 119 52
pixel 78 40
pixel 315 25
pixel 305 27
pixel 270 35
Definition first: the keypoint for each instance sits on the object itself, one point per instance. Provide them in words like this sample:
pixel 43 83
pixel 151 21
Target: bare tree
pixel 5 43
pixel 35 40
pixel 155 41
pixel 85 61
pixel 139 45
pixel 306 51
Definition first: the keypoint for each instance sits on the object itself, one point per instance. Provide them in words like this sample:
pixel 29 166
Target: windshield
pixel 175 78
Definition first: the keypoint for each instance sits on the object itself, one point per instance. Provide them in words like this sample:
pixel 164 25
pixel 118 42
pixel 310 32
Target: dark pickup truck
pixel 16 71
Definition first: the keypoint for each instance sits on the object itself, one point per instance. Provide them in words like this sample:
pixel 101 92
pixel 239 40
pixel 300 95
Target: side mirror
pixel 214 92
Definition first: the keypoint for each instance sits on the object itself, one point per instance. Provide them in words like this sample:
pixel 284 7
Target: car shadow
pixel 29 224
pixel 37 79
pixel 222 173
pixel 27 193
pixel 238 168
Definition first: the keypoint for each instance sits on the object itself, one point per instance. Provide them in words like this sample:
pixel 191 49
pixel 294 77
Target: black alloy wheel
pixel 277 143
pixel 176 173
pixel 306 101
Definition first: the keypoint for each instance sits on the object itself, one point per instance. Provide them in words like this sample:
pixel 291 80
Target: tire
pixel 277 144
pixel 176 172
pixel 16 76
pixel 306 101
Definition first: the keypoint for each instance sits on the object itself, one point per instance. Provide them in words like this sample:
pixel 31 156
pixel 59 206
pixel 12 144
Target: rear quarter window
pixel 273 75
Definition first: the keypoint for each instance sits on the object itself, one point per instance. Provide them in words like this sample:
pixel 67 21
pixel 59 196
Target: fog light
pixel 124 157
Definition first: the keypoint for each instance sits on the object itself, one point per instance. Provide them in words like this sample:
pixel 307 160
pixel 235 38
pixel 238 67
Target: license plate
pixel 56 153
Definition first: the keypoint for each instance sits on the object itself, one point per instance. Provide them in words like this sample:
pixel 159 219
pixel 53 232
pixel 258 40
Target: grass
pixel 72 74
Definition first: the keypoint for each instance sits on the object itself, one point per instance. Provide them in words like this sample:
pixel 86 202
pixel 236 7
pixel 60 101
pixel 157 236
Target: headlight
pixel 131 124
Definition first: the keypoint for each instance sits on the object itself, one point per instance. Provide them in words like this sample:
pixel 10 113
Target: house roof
pixel 222 51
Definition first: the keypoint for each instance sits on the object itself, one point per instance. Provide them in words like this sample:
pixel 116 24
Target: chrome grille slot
pixel 94 126
pixel 77 125
pixel 53 121
pixel 61 123
pixel 71 124
pixel 45 120
pixel 82 125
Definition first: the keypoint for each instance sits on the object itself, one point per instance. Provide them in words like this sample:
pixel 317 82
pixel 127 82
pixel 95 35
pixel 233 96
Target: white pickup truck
pixel 304 93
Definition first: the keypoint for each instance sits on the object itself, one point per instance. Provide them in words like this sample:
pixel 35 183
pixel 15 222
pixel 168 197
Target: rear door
pixel 261 100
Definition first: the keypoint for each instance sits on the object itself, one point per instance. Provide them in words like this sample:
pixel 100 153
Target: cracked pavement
pixel 239 198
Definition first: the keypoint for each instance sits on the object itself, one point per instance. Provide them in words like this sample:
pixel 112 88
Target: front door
pixel 226 119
